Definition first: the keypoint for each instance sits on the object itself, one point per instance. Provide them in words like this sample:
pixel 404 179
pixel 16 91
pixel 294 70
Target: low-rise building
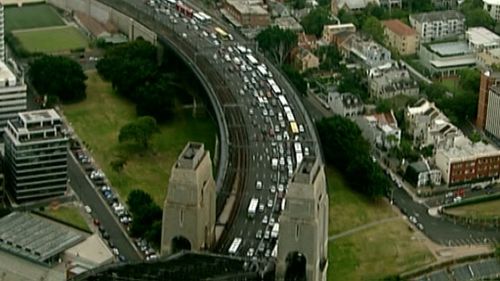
pixel 480 38
pixel 330 30
pixel 493 8
pixel 391 80
pixel 288 23
pixel 345 104
pixel 446 59
pixel 380 129
pixel 368 52
pixel 305 59
pixel 401 37
pixel 485 59
pixel 246 13
pixel 307 41
pixel 471 162
pixel 438 25
pixel 428 126
pixel 422 174
pixel 353 5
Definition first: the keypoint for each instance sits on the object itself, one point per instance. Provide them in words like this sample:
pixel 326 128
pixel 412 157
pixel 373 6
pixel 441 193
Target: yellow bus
pixel 222 33
pixel 294 128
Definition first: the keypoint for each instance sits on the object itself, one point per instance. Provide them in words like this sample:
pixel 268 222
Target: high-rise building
pixel 492 126
pixel 36 156
pixel 488 79
pixel 2 35
pixel 12 93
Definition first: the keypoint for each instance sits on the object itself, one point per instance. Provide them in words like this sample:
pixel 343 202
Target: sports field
pixel 51 40
pixel 31 16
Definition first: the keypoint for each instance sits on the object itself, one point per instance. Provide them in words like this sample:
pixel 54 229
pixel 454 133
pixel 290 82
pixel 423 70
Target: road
pixel 488 269
pixel 90 196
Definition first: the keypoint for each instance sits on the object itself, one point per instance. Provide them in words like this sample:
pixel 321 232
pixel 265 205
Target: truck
pixel 275 231
pixel 252 207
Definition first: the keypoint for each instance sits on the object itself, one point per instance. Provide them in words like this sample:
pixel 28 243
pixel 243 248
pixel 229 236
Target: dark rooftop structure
pixel 35 238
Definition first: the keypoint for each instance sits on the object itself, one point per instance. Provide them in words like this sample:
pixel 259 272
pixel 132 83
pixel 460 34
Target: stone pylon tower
pixel 189 208
pixel 303 240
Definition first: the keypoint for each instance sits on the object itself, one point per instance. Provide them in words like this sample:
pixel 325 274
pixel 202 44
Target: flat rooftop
pixel 7 77
pixel 471 150
pixel 35 238
pixel 39 115
pixel 482 36
pixel 450 48
pixel 247 8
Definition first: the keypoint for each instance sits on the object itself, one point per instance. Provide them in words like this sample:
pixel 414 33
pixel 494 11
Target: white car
pixel 273 189
pixel 270 203
pixel 258 185
pixel 250 252
pixel 88 209
pixel 265 220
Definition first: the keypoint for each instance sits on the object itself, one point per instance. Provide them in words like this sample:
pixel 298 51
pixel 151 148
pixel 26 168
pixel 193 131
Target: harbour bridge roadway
pixel 259 127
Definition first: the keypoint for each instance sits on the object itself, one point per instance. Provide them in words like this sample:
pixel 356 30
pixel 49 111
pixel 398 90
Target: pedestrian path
pixel 362 227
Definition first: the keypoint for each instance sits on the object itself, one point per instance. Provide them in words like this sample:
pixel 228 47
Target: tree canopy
pixel 277 43
pixel 59 77
pixel 139 131
pixel 330 57
pixel 313 23
pixel 147 216
pixel 345 148
pixel 373 27
pixel 475 15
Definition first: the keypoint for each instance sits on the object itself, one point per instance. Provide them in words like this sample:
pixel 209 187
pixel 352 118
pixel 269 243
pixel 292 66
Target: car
pixel 281 188
pixel 184 35
pixel 96 222
pixel 301 128
pixel 457 199
pixel 306 151
pixel 250 252
pixel 265 220
pixel 270 203
pixel 115 251
pixel 258 235
pixel 105 235
pixel 258 184
pixel 420 226
pixel 204 33
pixel 267 234
pixel 271 221
pixel 122 258
pixel 88 209
pixel 413 219
pixel 216 43
pixel 261 248
pixel 267 253
pixel 261 207
pixel 250 111
pixel 273 188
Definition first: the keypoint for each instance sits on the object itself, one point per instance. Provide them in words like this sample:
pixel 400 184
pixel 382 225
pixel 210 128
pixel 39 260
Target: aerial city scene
pixel 287 140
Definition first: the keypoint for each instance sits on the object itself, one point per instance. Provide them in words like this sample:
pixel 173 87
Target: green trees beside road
pixel 147 216
pixel 345 148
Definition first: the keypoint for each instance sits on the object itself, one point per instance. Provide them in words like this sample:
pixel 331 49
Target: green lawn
pixel 31 16
pixel 97 121
pixel 52 40
pixel 379 251
pixel 483 210
pixel 68 214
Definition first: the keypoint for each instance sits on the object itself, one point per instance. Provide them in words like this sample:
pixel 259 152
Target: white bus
pixel 199 17
pixel 233 249
pixel 252 207
pixel 298 147
pixel 276 89
pixel 252 60
pixel 275 231
pixel 274 252
pixel 283 100
pixel 241 49
pixel 262 70
pixel 205 16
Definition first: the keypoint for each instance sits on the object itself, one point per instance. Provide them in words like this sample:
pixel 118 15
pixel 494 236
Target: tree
pixel 137 199
pixel 330 57
pixel 139 131
pixel 373 27
pixel 157 99
pixel 277 43
pixel 313 23
pixel 478 17
pixel 348 17
pixel 58 76
pixel 146 215
pixel 469 79
pixel 297 4
pixel 296 78
pixel 351 82
pixel 418 6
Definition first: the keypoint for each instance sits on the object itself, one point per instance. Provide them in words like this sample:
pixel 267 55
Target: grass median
pixel 483 210
pixel 97 121
pixel 376 252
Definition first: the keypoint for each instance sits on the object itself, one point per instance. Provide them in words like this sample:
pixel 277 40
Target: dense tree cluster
pixel 475 15
pixel 139 131
pixel 135 73
pixel 57 76
pixel 277 43
pixel 147 216
pixel 314 21
pixel 330 57
pixel 345 148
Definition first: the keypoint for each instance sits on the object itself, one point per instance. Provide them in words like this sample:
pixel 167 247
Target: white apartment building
pixel 438 25
pixel 493 8
pixel 345 104
pixel 12 95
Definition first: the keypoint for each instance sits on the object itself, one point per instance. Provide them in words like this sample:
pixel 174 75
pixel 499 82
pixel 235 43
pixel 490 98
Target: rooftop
pixel 191 155
pixel 35 238
pixel 288 23
pixel 93 250
pixel 7 77
pixel 450 48
pixel 355 4
pixel 471 150
pixel 482 37
pixel 39 115
pixel 438 16
pixel 492 2
pixel 246 8
pixel 399 27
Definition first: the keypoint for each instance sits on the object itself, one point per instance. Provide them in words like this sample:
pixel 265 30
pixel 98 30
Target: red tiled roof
pixel 399 27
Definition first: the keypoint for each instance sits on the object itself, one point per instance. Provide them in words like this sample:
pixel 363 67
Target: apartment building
pixel 480 38
pixel 401 37
pixel 368 52
pixel 36 151
pixel 391 80
pixel 12 94
pixel 493 8
pixel 438 25
pixel 470 162
pixel 488 79
pixel 492 126
pixel 246 13
pixel 345 104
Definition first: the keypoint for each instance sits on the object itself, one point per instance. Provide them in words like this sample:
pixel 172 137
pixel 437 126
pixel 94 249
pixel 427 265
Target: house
pixel 351 5
pixel 493 8
pixel 288 23
pixel 345 104
pixel 278 9
pixel 246 13
pixel 307 41
pixel 368 52
pixel 329 31
pixel 391 80
pixel 447 58
pixel 380 129
pixel 469 162
pixel 305 59
pixel 480 38
pixel 428 126
pixel 401 37
pixel 438 25
pixel 421 174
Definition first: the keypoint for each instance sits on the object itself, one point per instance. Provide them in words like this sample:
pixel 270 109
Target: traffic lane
pixel 91 197
pixel 438 229
pixel 436 201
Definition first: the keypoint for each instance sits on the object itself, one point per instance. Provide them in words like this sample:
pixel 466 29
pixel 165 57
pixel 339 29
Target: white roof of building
pixel 467 151
pixel 453 62
pixel 247 8
pixel 450 48
pixel 93 250
pixel 356 4
pixel 492 2
pixel 7 77
pixel 481 36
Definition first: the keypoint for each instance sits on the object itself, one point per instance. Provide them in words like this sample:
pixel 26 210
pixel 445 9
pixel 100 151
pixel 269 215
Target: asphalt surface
pixel 479 270
pixel 90 196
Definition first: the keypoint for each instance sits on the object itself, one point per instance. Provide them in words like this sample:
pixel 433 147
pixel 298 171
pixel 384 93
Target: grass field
pixel 68 214
pixel 51 40
pixel 97 121
pixel 380 251
pixel 483 210
pixel 31 16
